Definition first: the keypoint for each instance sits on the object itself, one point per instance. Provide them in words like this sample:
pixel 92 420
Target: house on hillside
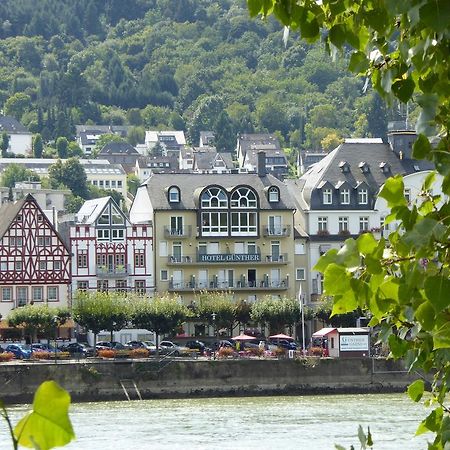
pixel 212 162
pixel 207 139
pixel 109 252
pixel 338 198
pixel 171 141
pixel 146 165
pixel 20 139
pixel 120 153
pixel 88 135
pixel 34 260
pixel 248 147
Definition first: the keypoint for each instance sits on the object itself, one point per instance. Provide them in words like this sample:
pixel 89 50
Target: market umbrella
pixel 281 336
pixel 243 337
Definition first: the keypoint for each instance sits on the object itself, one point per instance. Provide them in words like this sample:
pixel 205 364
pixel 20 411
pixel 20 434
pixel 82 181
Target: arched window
pixel 174 194
pixel 243 198
pixel 244 223
pixel 214 223
pixel 274 194
pixel 214 198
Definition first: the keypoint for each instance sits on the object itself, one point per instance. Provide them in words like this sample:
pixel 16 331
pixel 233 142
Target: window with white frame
pixel 174 194
pixel 139 258
pixel 345 196
pixel 214 223
pixel 274 194
pixel 343 224
pixel 119 184
pixel 57 265
pixel 243 198
pixel 363 197
pixel 118 234
pixel 163 248
pixel 244 223
pixel 164 275
pixel 18 266
pixel 139 286
pixel 103 234
pixel 383 224
pixel 327 196
pixel 37 294
pixel 322 223
pixel 214 198
pixel 82 259
pixel 364 223
pixel 6 294
pixel 300 274
pixel 82 285
pixel 22 296
pixel 42 265
pixel 52 294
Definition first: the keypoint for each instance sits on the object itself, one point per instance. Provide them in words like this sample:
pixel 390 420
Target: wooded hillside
pixel 179 64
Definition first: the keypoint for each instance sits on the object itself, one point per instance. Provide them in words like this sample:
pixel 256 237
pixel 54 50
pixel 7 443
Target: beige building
pixel 219 232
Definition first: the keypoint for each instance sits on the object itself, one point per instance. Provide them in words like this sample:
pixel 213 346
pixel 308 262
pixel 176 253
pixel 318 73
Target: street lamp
pixel 56 323
pixel 213 317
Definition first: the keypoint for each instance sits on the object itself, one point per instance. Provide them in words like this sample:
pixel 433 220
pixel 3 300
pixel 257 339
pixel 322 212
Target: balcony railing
pixel 216 284
pixel 177 232
pixel 113 270
pixel 228 258
pixel 280 231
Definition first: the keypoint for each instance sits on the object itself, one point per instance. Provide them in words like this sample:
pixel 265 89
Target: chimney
pixel 262 164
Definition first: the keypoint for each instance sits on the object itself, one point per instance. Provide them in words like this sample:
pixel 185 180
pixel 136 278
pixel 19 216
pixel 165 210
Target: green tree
pixel 277 314
pixel 136 135
pixel 62 147
pixel 216 309
pixel 133 183
pixel 103 140
pixel 70 174
pixel 204 116
pixel 73 203
pixel 38 146
pixel 17 105
pixel 4 144
pixel 225 137
pixel 161 315
pixel 15 173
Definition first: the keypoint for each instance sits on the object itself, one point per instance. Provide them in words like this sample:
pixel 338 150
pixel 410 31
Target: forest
pixel 175 64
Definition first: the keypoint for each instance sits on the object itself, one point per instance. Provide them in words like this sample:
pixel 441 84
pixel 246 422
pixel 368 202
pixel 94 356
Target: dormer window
pixel 274 194
pixel 385 167
pixel 344 166
pixel 364 167
pixel 327 196
pixel 174 194
pixel 363 197
pixel 345 196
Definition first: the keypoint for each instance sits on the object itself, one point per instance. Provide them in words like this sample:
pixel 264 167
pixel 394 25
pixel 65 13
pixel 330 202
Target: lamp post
pixel 213 317
pixel 55 323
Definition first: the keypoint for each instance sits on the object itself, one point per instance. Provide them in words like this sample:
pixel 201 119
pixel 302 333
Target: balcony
pixel 227 258
pixel 275 231
pixel 215 284
pixel 112 271
pixel 178 232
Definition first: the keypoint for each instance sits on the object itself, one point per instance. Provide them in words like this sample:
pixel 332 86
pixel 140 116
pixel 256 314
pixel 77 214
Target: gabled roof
pixel 118 148
pixel 155 136
pixel 91 210
pixel 354 152
pixel 208 160
pixel 12 126
pixel 257 142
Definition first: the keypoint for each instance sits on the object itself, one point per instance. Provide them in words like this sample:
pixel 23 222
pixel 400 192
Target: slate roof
pixel 12 126
pixel 91 209
pixel 191 184
pixel 8 211
pixel 148 161
pixel 118 148
pixel 206 160
pixel 258 141
pixel 356 151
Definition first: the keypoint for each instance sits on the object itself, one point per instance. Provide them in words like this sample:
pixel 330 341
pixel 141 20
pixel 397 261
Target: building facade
pixel 222 232
pixel 20 139
pixel 34 260
pixel 110 253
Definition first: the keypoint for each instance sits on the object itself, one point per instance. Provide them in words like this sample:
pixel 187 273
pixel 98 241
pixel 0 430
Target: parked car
pixel 75 348
pixel 106 345
pixel 284 343
pixel 170 348
pixel 147 345
pixel 222 343
pixel 21 351
pixel 44 348
pixel 198 345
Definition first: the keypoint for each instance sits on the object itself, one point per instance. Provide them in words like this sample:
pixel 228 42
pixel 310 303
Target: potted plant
pixel 323 233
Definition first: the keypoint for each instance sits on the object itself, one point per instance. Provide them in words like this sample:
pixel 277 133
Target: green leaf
pixel 358 62
pixel 336 280
pixel 436 14
pixel 48 425
pixel 326 259
pixel 432 422
pixel 254 7
pixel 362 437
pixel 437 289
pixel 398 346
pixel 425 314
pixel 345 304
pixel 422 147
pixel 415 390
pixel 366 243
pixel 369 438
pixel 441 337
pixel 393 191
pixel 337 35
pixel 403 89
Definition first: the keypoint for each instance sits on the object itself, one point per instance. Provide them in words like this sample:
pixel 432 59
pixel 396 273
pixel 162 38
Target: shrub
pixel 254 351
pixel 279 352
pixel 316 351
pixel 106 353
pixel 6 356
pixel 42 355
pixel 139 353
pixel 225 351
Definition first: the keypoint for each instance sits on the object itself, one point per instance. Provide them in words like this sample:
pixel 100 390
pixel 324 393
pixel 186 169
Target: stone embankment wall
pixel 108 380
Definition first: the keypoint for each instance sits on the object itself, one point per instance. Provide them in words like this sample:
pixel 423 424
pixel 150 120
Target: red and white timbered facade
pixel 34 261
pixel 110 253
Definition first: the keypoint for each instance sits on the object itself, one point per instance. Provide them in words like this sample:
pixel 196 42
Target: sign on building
pixel 354 343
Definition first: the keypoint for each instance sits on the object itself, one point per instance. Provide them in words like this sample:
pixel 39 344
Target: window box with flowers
pixel 344 233
pixel 323 233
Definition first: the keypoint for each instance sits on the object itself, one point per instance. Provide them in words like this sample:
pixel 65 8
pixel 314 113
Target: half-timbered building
pixel 34 260
pixel 110 253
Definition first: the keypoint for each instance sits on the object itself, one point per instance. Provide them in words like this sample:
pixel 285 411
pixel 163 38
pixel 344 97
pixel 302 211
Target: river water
pixel 250 423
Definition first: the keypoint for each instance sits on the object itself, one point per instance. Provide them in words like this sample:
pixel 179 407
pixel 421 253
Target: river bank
pixel 96 380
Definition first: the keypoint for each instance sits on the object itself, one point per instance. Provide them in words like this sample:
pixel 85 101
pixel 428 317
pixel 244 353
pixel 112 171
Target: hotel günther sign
pixel 229 258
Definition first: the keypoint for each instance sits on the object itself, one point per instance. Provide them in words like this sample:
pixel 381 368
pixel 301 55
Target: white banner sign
pixel 354 342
